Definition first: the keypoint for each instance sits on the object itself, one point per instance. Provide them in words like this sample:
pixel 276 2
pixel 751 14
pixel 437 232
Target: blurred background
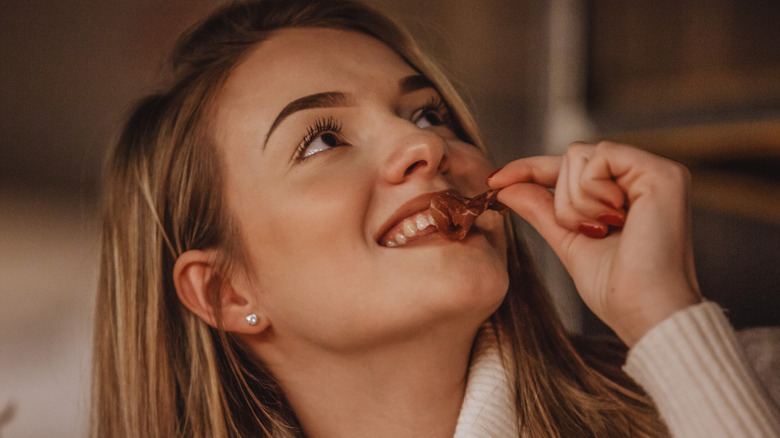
pixel 694 80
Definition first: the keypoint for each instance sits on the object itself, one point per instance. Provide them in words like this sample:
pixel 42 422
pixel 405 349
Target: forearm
pixel 697 374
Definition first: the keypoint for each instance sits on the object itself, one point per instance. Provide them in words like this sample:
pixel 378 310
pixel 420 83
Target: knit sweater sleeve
pixel 697 373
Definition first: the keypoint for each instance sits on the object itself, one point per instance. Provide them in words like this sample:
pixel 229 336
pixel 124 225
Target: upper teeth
pixel 409 228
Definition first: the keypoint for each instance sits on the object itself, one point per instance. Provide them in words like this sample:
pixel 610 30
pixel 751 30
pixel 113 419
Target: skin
pixel 342 315
pixel 636 276
pixel 374 341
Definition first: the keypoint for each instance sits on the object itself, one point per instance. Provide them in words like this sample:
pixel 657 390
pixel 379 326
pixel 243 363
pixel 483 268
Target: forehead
pixel 302 61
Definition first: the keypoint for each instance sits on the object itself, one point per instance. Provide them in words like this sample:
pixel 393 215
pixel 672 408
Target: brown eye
pixel 330 139
pixel 323 142
pixel 323 135
pixel 434 113
pixel 429 118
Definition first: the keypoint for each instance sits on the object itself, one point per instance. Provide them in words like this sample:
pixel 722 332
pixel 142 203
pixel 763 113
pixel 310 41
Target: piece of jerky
pixel 454 214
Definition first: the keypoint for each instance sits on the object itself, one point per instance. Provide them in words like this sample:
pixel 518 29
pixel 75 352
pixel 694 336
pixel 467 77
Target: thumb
pixel 536 205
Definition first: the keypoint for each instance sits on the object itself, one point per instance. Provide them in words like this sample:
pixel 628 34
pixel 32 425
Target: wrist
pixel 635 325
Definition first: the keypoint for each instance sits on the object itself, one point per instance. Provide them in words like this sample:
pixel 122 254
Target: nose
pixel 417 154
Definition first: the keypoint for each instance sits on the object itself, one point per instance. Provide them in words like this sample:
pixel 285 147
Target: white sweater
pixel 692 365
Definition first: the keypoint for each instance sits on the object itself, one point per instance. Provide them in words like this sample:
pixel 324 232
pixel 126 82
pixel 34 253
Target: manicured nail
pixel 592 230
pixel 491 174
pixel 613 219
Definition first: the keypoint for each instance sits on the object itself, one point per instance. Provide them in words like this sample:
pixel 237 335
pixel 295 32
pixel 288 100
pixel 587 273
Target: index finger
pixel 542 170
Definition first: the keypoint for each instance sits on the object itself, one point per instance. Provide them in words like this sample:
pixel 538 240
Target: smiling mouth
pixel 448 213
pixel 410 229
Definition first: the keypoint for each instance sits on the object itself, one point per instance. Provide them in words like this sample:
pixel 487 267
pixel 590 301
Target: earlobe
pixel 256 323
pixel 194 278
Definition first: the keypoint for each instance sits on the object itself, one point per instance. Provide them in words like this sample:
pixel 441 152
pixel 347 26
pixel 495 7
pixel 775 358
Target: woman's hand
pixel 619 220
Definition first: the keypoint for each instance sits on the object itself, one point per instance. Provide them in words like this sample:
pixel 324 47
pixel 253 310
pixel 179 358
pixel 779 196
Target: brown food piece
pixel 454 214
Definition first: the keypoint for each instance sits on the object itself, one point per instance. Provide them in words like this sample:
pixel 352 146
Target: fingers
pixel 630 172
pixel 581 203
pixel 525 188
pixel 596 180
pixel 542 170
pixel 628 278
pixel 573 210
pixel 535 204
pixel 594 184
pixel 585 204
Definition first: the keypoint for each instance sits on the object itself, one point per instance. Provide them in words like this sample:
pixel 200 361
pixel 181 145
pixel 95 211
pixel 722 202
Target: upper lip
pixel 407 209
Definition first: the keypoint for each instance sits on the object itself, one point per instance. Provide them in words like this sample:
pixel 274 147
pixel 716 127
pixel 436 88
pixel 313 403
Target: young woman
pixel 269 267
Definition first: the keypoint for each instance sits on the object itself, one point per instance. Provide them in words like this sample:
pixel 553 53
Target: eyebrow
pixel 332 99
pixel 320 100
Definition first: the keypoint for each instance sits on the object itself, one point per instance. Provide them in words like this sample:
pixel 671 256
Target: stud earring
pixel 251 319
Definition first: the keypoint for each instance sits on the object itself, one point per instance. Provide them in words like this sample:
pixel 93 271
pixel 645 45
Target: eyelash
pixel 330 125
pixel 320 126
pixel 436 104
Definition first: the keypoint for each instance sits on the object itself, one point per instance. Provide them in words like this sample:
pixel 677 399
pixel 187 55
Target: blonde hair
pixel 159 370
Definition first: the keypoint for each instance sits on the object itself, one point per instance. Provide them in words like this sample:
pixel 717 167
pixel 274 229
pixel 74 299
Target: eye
pixel 428 119
pixel 434 113
pixel 322 142
pixel 325 134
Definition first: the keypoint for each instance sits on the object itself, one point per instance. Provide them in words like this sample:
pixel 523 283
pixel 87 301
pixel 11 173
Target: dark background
pixel 697 81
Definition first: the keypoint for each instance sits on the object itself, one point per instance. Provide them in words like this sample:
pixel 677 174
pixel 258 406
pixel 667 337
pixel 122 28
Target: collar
pixel 488 409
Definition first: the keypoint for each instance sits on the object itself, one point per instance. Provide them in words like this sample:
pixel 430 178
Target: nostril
pixel 411 168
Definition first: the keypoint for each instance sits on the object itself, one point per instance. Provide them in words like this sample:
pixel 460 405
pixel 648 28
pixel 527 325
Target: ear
pixel 194 276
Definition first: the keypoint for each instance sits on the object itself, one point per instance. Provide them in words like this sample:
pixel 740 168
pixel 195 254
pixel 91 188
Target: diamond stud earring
pixel 251 319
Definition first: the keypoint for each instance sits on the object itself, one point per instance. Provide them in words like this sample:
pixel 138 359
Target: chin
pixel 455 306
pixel 484 291
pixel 474 292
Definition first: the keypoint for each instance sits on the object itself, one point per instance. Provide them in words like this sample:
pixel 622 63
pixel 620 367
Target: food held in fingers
pixel 454 214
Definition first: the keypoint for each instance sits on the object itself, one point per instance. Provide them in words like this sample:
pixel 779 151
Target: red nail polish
pixel 593 231
pixel 613 219
pixel 491 174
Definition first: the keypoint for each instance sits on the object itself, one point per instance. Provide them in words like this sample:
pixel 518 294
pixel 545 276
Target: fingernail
pixel 613 219
pixel 491 174
pixel 592 230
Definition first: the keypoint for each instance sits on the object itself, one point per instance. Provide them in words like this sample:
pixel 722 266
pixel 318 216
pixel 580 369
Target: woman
pixel 264 275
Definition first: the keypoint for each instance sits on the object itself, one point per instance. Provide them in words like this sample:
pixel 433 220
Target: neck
pixel 407 388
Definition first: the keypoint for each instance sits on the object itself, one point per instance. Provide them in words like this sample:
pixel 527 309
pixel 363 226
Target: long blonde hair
pixel 159 370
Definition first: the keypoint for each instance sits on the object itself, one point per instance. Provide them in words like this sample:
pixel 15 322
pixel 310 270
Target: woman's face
pixel 330 143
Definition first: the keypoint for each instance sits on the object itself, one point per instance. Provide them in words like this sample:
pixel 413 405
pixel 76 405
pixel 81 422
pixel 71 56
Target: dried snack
pixel 454 214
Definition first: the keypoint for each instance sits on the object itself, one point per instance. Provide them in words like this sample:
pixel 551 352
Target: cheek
pixel 303 248
pixel 304 271
pixel 300 215
pixel 469 168
pixel 303 229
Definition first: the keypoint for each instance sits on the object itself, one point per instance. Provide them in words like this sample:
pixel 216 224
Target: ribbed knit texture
pixel 691 365
pixel 488 409
pixel 696 372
